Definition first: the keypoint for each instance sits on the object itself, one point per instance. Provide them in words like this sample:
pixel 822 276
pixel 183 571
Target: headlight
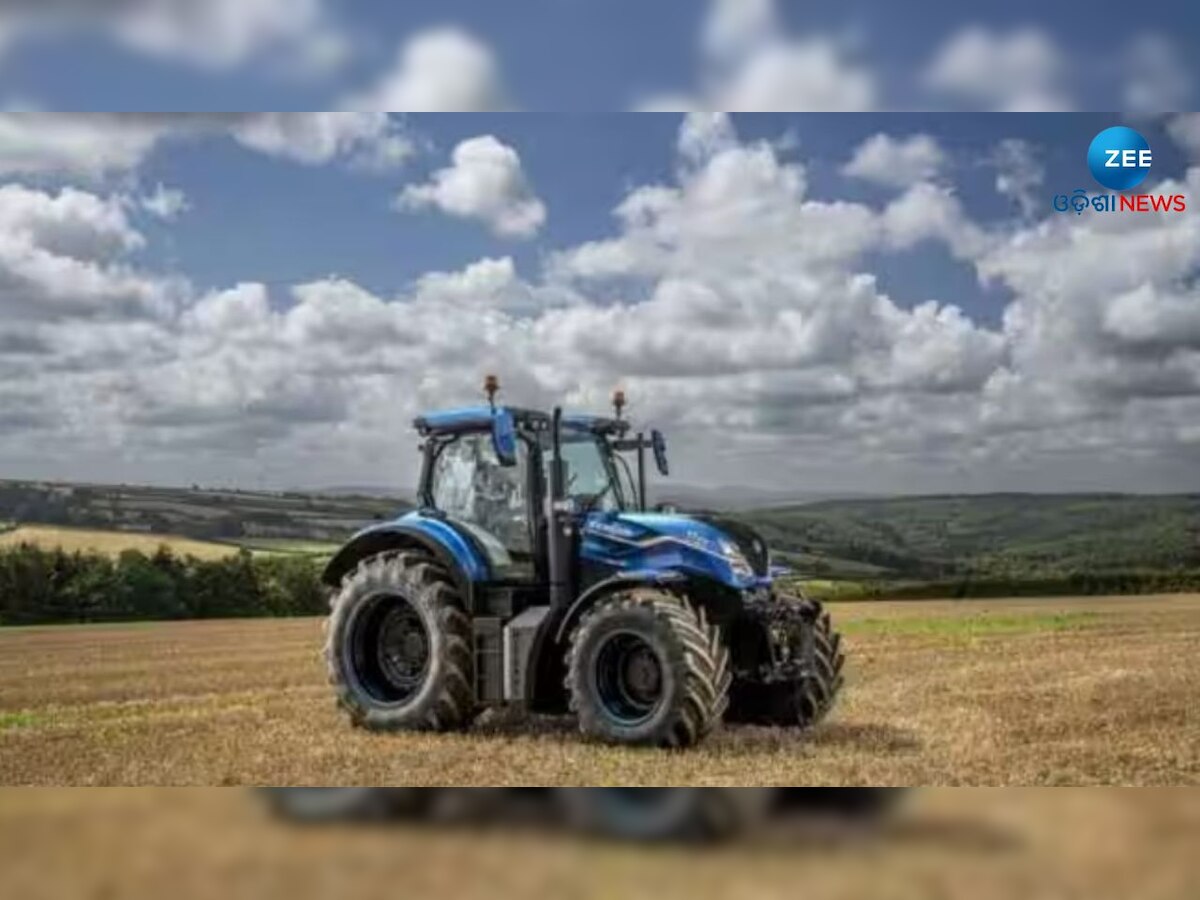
pixel 737 559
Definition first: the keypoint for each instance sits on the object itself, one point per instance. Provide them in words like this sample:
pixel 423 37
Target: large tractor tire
pixel 804 702
pixel 398 646
pixel 646 668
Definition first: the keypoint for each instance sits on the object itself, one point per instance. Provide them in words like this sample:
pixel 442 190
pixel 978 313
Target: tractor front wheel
pixel 398 646
pixel 802 702
pixel 646 668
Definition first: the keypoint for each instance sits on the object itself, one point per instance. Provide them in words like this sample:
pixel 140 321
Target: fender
pixel 454 550
pixel 628 578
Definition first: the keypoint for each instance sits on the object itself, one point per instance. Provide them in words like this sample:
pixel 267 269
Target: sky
pixel 877 302
pixel 855 282
pixel 582 55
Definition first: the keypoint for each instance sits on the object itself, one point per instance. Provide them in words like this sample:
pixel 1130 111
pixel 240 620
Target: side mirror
pixel 659 444
pixel 504 437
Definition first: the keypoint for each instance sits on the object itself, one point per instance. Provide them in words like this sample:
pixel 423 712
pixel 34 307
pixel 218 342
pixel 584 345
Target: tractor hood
pixel 749 541
pixel 721 547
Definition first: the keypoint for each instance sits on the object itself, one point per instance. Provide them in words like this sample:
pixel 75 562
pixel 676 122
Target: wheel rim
pixel 628 678
pixel 390 649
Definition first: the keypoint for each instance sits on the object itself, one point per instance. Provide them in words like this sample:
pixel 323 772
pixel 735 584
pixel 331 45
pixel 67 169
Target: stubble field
pixel 1014 692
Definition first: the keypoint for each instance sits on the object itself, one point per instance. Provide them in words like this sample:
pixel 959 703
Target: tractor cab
pixel 489 470
pixel 531 572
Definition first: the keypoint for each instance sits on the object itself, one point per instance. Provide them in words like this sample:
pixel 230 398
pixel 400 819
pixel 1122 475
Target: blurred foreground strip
pixel 970 843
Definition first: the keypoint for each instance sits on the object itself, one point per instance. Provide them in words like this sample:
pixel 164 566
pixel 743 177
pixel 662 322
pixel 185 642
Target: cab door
pixel 489 501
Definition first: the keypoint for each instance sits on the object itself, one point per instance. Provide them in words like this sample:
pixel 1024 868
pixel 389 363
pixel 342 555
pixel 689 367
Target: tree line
pixel 40 586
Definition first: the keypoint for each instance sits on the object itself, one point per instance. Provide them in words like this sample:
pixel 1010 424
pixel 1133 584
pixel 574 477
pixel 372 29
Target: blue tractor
pixel 532 573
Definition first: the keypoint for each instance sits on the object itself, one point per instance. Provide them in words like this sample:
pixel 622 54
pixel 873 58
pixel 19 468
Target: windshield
pixel 591 475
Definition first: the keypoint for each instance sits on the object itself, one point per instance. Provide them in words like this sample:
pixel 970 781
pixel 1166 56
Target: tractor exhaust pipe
pixel 558 520
pixel 641 459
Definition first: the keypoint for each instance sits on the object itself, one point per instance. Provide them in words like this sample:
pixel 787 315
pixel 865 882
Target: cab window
pixel 470 486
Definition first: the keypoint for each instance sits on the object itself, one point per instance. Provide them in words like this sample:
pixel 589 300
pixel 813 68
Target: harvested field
pixel 1016 692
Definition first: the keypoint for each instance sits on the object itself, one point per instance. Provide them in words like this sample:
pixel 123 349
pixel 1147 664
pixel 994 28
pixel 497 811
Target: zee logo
pixel 1119 158
pixel 1127 159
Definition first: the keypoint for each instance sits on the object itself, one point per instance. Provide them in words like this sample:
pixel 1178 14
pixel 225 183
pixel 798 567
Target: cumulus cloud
pixel 65 255
pixel 486 183
pixel 737 308
pixel 1018 70
pixel 897 162
pixel 440 70
pixel 96 144
pixel 702 135
pixel 215 35
pixel 1185 131
pixel 755 285
pixel 164 202
pixel 749 63
pixel 1158 78
pixel 1122 328
pixel 90 145
pixel 932 212
pixel 734 28
pixel 1020 174
pixel 816 74
pixel 370 139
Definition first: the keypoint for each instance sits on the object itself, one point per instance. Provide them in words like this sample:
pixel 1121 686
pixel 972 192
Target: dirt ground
pixel 1015 692
pixel 981 844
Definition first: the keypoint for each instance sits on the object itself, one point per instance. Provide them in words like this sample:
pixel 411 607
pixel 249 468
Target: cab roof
pixel 478 418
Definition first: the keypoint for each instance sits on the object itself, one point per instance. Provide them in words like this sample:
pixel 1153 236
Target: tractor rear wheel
pixel 398 646
pixel 803 702
pixel 646 668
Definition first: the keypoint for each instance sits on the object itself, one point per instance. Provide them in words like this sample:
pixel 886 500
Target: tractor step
pixel 519 636
pixel 489 660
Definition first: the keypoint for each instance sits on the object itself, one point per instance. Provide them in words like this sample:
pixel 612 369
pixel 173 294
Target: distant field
pixel 112 543
pixel 825 589
pixel 289 545
pixel 212 514
pixel 998 692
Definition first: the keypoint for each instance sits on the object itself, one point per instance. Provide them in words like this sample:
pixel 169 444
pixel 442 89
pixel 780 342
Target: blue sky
pixel 839 293
pixel 252 217
pixel 562 55
pixel 865 302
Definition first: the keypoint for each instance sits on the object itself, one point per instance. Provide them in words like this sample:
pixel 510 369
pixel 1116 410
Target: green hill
pixel 993 535
pixel 255 518
pixel 1001 538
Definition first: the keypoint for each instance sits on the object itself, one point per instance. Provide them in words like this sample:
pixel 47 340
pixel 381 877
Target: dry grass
pixel 1016 692
pixel 110 543
pixel 980 844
